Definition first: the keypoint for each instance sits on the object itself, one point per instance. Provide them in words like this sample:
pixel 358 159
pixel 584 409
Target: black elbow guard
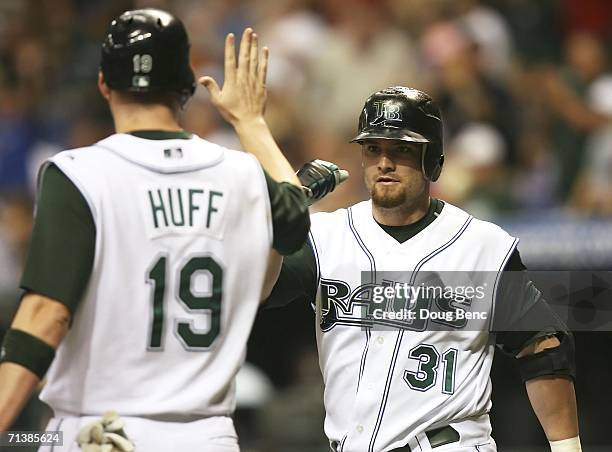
pixel 559 360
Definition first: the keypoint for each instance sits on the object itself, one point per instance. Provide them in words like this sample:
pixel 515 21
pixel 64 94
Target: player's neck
pixel 132 117
pixel 402 215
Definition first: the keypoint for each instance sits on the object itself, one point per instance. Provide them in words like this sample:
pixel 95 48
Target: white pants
pixel 213 434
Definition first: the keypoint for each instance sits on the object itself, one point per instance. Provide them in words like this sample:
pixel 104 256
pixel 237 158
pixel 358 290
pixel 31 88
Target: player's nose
pixel 385 163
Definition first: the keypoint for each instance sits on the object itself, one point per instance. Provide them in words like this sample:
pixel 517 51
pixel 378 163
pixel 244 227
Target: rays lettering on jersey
pixel 341 305
pixel 184 207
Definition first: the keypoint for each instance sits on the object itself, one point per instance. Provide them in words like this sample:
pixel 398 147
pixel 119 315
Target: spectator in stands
pixel 566 93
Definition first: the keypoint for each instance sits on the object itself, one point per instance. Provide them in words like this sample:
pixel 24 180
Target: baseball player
pixel 421 384
pixel 145 261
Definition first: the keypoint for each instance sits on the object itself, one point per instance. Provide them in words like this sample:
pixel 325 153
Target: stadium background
pixel 526 91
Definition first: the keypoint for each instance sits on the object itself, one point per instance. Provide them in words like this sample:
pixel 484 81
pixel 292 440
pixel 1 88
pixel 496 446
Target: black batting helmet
pixel 406 114
pixel 147 50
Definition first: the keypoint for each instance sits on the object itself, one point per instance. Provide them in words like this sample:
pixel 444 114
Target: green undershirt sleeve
pixel 297 280
pixel 62 247
pixel 290 219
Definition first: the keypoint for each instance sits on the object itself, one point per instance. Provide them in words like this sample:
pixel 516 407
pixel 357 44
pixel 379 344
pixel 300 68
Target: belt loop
pixel 422 443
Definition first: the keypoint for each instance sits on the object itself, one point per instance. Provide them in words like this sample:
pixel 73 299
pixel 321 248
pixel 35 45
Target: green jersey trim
pixel 162 134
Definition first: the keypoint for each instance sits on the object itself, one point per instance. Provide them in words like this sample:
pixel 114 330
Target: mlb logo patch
pixel 141 81
pixel 176 153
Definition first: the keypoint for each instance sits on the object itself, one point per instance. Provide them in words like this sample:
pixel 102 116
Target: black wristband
pixel 28 351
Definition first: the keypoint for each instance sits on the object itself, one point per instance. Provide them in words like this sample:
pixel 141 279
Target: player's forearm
pixel 28 349
pixel 256 138
pixel 16 386
pixel 42 317
pixel 554 402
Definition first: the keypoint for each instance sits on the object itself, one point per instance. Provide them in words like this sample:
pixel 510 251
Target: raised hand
pixel 242 102
pixel 243 97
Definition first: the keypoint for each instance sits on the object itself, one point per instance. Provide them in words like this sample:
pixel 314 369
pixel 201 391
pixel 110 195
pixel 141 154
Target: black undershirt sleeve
pixel 297 280
pixel 62 246
pixel 515 263
pixel 522 314
pixel 290 219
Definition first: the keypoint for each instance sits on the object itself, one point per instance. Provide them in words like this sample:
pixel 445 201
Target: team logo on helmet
pixel 386 111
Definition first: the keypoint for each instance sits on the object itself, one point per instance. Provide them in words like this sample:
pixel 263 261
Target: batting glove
pixel 319 178
pixel 105 435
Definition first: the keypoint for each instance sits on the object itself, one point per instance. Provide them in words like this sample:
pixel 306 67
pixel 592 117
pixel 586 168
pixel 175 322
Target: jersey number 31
pixel 428 357
pixel 193 302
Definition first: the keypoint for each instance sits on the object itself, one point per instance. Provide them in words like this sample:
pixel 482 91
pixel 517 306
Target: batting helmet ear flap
pixel 423 152
pixel 431 161
pixel 434 173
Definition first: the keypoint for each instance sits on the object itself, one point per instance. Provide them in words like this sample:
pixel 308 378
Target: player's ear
pixel 103 87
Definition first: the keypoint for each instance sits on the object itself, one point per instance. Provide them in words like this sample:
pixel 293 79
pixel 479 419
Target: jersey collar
pixel 162 134
pixel 407 231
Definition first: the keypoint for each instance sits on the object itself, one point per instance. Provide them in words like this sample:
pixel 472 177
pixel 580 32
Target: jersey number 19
pixel 211 302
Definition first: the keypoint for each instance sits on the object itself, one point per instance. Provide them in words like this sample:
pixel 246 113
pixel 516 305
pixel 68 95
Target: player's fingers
pixel 230 59
pixel 211 85
pixel 244 52
pixel 254 56
pixel 263 67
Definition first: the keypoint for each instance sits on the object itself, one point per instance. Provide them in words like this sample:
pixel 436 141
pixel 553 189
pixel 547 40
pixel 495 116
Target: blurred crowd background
pixel 525 88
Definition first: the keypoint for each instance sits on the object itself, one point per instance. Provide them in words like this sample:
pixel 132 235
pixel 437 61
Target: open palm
pixel 243 96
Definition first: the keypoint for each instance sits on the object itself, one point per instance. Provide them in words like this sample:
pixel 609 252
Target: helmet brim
pixel 401 135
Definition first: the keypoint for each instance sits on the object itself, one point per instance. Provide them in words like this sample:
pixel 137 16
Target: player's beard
pixel 388 197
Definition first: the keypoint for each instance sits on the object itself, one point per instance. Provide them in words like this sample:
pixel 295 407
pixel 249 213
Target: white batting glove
pixel 105 435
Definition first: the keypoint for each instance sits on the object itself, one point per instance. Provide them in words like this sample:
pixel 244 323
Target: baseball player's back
pixel 179 247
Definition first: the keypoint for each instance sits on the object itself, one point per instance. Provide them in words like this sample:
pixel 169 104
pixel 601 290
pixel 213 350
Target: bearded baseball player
pixel 416 387
pixel 145 261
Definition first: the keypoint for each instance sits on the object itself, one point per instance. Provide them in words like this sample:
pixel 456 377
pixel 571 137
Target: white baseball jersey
pixel 183 232
pixel 384 387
